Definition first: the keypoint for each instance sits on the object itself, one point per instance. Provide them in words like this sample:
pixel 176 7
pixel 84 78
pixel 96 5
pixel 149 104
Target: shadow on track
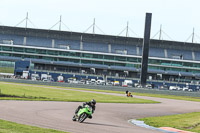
pixel 100 124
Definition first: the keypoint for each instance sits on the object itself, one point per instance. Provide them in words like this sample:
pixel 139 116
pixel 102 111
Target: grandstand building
pixel 62 52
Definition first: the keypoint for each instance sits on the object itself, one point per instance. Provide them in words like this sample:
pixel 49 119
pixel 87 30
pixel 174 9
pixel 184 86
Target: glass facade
pixel 7 64
pixel 7 67
pixel 86 57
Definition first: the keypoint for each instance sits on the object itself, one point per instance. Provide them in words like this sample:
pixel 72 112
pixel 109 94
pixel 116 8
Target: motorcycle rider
pixel 92 104
pixel 128 94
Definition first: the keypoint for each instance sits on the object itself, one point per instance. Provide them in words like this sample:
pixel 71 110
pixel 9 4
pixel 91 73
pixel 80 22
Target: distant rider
pixel 92 104
pixel 128 94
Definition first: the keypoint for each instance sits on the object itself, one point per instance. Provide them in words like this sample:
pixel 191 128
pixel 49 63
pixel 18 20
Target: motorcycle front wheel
pixel 82 117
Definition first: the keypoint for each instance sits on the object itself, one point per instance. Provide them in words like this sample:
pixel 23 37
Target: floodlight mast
pixel 127 30
pixel 94 26
pixel 193 36
pixel 26 19
pixel 60 22
pixel 160 32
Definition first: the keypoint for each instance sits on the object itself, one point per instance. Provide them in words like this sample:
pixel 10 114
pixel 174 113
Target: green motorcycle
pixel 83 113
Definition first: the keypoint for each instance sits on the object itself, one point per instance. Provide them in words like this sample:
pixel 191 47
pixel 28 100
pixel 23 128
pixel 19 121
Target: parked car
pixel 164 87
pixel 82 82
pixel 173 88
pixel 109 83
pixel 116 83
pixel 185 88
pixel 101 82
pixel 190 90
pixel 149 86
pixel 137 85
pixel 48 80
pixel 71 80
pixel 93 81
pixel 179 88
pixel 35 77
pixel 127 83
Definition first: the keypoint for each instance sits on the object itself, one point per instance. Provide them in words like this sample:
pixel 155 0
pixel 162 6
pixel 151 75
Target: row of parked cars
pixel 171 88
pixel 60 78
pixel 186 88
pixel 126 83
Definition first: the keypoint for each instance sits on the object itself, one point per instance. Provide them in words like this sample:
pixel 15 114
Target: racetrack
pixel 108 117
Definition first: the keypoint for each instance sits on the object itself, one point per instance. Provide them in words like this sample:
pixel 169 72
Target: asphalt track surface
pixel 108 117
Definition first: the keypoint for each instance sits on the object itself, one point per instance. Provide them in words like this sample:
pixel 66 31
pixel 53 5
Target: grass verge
pixel 12 127
pixel 187 122
pixel 44 93
pixel 186 98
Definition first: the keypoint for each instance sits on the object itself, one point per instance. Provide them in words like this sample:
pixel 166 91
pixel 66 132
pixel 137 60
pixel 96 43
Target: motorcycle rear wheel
pixel 74 118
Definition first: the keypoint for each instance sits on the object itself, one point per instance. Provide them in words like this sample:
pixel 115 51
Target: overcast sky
pixel 177 17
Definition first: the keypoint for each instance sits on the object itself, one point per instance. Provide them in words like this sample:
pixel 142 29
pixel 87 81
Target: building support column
pixel 145 52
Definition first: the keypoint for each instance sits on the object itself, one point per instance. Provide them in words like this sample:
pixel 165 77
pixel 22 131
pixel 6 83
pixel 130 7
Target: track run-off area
pixel 108 117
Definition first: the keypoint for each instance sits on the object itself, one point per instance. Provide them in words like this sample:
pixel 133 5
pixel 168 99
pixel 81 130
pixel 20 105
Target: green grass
pixel 11 127
pixel 44 93
pixel 187 122
pixel 17 91
pixel 186 98
pixel 6 69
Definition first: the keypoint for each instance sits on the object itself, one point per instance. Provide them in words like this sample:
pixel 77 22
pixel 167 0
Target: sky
pixel 177 17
